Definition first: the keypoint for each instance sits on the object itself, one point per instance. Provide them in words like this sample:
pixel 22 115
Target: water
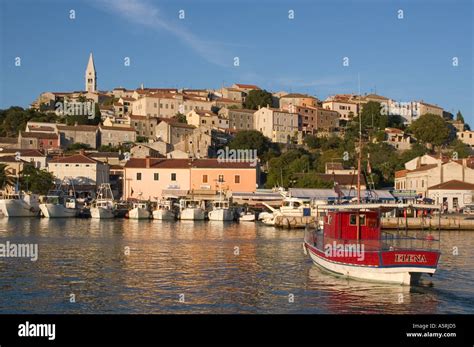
pixel 199 260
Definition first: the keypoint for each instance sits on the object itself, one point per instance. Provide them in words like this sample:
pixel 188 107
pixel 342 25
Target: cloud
pixel 144 13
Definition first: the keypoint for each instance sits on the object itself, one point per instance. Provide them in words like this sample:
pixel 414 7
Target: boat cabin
pixel 219 205
pixel 352 225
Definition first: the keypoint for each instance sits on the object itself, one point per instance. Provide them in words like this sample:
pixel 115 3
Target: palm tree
pixel 6 179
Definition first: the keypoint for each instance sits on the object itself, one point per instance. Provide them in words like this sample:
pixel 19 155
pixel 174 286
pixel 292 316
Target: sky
pixel 409 58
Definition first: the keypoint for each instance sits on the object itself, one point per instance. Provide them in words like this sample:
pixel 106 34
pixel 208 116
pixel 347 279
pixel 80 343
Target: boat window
pixel 353 219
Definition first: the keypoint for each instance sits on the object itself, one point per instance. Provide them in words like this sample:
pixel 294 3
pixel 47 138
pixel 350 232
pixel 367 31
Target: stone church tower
pixel 91 76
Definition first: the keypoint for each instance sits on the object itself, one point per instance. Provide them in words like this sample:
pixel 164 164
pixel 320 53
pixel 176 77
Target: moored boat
pixel 221 211
pixel 139 210
pixel 59 206
pixel 103 206
pixel 351 243
pixel 19 204
pixel 164 210
pixel 191 210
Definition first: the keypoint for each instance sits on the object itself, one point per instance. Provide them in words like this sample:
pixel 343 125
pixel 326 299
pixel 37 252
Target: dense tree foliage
pixel 14 119
pixel 255 140
pixel 431 130
pixel 257 98
pixel 35 180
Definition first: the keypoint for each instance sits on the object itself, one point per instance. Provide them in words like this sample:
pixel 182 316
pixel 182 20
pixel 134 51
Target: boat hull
pixel 58 211
pixel 404 274
pixel 18 208
pixel 247 218
pixel 101 213
pixel 192 214
pixel 163 215
pixel 223 214
pixel 138 213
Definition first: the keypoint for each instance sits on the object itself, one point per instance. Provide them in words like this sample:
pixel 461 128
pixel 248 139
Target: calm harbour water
pixel 167 259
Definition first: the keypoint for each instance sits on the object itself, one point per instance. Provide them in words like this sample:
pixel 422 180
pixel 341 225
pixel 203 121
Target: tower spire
pixel 91 75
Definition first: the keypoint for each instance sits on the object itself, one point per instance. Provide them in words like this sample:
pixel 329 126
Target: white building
pixel 454 194
pixel 279 126
pixel 86 172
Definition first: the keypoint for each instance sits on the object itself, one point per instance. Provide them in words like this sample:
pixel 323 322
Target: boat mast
pixel 359 159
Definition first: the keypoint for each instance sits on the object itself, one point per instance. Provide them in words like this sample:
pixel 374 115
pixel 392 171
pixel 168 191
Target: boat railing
pixel 386 242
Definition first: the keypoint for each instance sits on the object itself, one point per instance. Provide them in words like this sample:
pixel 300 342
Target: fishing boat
pixel 103 206
pixel 58 205
pixel 351 243
pixel 139 210
pixel 221 211
pixel 164 210
pixel 18 204
pixel 191 210
pixel 121 209
pixel 61 202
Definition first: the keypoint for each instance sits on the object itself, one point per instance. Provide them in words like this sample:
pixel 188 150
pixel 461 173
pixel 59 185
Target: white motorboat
pixel 247 217
pixel 164 211
pixel 18 204
pixel 59 206
pixel 139 210
pixel 61 202
pixel 191 210
pixel 103 206
pixel 221 211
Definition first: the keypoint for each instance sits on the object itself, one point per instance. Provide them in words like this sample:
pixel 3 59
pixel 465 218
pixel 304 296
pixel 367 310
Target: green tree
pixel 35 180
pixel 255 140
pixel 257 98
pixel 180 118
pixel 458 149
pixel 431 130
pixel 14 119
pixel 459 117
pixel 78 145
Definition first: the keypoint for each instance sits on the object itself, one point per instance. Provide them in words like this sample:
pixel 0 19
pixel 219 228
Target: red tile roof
pixel 75 159
pixel 157 163
pixel 36 135
pixel 23 152
pixel 453 185
pixel 246 86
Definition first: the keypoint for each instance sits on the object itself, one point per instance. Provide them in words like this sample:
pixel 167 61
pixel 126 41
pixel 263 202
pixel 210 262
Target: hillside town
pixel 151 143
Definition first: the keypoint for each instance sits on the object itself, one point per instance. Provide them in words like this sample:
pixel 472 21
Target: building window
pixel 204 178
pixel 156 176
pixel 237 179
pixel 139 176
pixel 173 176
pixel 221 178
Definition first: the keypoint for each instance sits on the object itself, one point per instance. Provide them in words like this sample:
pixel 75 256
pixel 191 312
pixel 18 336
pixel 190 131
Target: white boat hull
pixel 163 215
pixel 18 208
pixel 192 214
pixel 395 275
pixel 223 214
pixel 138 213
pixel 102 213
pixel 247 218
pixel 57 211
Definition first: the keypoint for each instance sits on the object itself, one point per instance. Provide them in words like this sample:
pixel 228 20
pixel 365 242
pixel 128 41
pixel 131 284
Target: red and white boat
pixel 351 243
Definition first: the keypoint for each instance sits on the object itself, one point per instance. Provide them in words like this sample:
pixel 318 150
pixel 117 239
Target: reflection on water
pixel 215 267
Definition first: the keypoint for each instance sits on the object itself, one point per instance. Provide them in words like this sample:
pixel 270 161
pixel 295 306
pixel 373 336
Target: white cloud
pixel 144 13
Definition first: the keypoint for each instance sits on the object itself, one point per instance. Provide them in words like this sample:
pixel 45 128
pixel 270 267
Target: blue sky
pixel 405 59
